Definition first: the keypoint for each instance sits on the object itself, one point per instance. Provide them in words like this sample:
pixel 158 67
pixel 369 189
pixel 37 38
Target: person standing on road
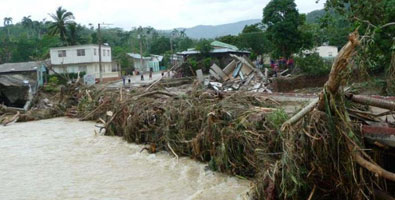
pixel 150 73
pixel 290 64
pixel 129 79
pixel 123 80
pixel 276 69
pixel 142 76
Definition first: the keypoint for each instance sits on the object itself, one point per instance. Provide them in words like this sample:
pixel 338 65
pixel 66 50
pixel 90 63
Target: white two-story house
pixel 84 58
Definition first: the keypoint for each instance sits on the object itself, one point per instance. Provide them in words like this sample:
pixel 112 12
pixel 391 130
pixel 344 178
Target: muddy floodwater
pixel 63 159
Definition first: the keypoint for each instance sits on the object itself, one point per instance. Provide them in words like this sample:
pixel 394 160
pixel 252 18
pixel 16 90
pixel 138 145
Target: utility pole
pixel 141 56
pixel 171 48
pixel 99 40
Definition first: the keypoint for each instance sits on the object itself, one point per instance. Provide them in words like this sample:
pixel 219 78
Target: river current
pixel 64 159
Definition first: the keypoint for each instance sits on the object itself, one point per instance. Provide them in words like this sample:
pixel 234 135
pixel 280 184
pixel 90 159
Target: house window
pixel 80 52
pixel 94 52
pixel 330 54
pixel 104 52
pixel 108 52
pixel 61 53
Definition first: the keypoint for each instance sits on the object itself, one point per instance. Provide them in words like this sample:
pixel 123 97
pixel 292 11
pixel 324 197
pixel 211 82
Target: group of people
pixel 282 63
pixel 129 76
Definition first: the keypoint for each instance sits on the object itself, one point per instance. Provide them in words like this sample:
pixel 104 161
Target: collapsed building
pixel 220 51
pixel 19 82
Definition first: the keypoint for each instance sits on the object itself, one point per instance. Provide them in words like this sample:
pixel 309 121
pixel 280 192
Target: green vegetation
pixel 204 46
pixel 52 85
pixel 30 40
pixel 313 65
pixel 277 118
pixel 284 28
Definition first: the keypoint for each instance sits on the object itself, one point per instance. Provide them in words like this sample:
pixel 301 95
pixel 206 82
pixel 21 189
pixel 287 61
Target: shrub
pixel 277 118
pixel 62 81
pixel 52 84
pixel 313 64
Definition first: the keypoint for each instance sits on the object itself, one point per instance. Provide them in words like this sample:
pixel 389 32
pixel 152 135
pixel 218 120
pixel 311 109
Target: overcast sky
pixel 160 14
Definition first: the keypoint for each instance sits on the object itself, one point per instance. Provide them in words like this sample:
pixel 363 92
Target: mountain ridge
pixel 213 31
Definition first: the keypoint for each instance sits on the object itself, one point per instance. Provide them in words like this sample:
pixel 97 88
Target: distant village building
pixel 327 51
pixel 324 51
pixel 84 58
pixel 149 62
pixel 18 81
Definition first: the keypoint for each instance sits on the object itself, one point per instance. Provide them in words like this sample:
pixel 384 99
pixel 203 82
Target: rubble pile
pixel 240 74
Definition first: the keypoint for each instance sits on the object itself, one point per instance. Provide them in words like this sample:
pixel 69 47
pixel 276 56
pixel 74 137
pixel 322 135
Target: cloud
pixel 160 14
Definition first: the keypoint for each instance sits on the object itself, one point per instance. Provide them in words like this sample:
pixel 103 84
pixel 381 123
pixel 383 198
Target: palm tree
pixel 182 33
pixel 74 34
pixel 61 18
pixel 7 22
pixel 28 24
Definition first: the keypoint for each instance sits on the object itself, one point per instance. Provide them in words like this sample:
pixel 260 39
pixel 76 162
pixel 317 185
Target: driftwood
pixel 372 167
pixel 12 110
pixel 153 93
pixel 332 86
pixel 157 81
pixel 381 103
pixel 300 114
pixel 94 111
pixel 339 65
pixel 12 119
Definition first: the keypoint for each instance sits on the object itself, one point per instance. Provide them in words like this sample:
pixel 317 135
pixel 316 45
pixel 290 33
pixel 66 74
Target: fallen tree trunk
pixel 380 103
pixel 374 168
pixel 338 67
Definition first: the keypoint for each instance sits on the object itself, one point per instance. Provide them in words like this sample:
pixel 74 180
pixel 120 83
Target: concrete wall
pixel 283 84
pixel 89 68
pixel 91 55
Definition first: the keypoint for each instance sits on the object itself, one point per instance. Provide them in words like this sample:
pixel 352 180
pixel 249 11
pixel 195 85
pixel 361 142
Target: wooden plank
pixel 237 70
pixel 215 75
pixel 228 70
pixel 219 71
pixel 199 74
pixel 246 70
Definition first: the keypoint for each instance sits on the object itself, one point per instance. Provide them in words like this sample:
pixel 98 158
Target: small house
pixel 324 51
pixel 84 59
pixel 144 64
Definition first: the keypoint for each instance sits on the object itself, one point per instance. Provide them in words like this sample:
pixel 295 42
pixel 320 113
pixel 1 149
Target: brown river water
pixel 64 159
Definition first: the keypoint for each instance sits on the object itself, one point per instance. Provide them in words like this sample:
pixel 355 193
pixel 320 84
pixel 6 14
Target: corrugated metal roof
pixel 223 45
pixel 20 67
pixel 138 56
pixel 222 50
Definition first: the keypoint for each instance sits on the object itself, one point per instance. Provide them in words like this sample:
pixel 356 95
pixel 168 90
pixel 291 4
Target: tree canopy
pixel 283 27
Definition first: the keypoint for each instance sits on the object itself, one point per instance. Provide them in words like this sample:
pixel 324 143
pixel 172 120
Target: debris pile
pixel 240 74
pixel 319 153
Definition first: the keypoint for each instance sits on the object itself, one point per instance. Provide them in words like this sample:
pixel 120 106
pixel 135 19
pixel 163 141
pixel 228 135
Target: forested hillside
pixel 29 40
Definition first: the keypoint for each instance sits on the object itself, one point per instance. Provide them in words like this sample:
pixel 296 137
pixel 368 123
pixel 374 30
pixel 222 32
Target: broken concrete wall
pixel 288 84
